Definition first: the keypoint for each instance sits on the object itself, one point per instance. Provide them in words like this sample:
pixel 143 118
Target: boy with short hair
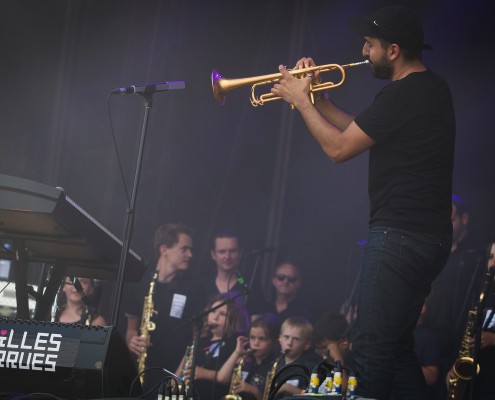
pixel 331 334
pixel 295 340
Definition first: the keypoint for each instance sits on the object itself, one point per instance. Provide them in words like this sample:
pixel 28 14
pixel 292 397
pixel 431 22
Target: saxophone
pixel 463 366
pixel 270 375
pixel 186 365
pixel 236 378
pixel 147 325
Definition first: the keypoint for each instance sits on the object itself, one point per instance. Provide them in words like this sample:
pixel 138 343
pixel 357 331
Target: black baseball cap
pixel 395 24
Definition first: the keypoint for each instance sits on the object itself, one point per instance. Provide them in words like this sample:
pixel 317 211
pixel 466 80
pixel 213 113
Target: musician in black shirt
pixel 177 296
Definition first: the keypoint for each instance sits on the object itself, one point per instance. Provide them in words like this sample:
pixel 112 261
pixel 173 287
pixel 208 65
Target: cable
pixel 5 286
pixel 170 376
pixel 275 386
pixel 126 190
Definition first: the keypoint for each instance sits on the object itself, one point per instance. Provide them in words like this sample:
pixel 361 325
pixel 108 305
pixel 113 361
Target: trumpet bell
pixel 221 86
pixel 215 84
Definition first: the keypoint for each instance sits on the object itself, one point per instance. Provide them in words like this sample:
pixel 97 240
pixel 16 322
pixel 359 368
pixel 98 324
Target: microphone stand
pixel 258 255
pixel 147 93
pixel 129 224
pixel 253 274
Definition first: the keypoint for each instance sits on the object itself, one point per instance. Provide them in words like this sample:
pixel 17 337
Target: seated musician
pixel 223 326
pixel 78 306
pixel 256 361
pixel 483 382
pixel 296 342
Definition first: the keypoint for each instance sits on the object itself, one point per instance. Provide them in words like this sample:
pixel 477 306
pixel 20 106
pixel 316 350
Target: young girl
pixel 223 326
pixel 72 309
pixel 257 360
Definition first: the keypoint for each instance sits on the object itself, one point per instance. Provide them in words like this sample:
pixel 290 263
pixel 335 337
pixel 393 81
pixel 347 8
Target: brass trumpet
pixel 221 86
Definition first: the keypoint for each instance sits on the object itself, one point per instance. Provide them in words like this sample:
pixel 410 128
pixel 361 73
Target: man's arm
pixel 332 113
pixel 430 373
pixel 338 135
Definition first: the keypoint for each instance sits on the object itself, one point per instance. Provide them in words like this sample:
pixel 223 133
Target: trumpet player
pixel 260 350
pixel 409 131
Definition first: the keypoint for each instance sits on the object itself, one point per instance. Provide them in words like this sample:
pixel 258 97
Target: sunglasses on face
pixel 290 279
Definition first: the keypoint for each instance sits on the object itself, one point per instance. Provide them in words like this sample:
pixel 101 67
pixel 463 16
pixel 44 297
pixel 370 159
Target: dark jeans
pixel 397 271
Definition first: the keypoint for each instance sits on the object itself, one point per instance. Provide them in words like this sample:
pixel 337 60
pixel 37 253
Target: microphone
pixel 270 249
pixel 241 281
pixel 147 88
pixel 80 290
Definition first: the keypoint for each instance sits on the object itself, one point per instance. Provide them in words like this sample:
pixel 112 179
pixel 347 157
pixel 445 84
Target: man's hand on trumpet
pixel 307 62
pixel 295 90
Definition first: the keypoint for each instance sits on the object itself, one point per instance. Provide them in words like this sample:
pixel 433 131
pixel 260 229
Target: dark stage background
pixel 256 170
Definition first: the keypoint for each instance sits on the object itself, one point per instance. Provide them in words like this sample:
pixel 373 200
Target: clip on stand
pixel 146 91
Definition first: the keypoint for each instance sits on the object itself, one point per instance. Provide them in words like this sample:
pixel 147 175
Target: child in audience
pixel 258 358
pixel 331 335
pixel 295 341
pixel 223 326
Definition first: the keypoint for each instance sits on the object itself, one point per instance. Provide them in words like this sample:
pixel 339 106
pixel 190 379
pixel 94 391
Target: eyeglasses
pixel 290 279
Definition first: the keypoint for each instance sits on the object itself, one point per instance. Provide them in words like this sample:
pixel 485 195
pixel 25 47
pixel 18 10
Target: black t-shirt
pixel 454 292
pixel 300 306
pixel 484 388
pixel 253 298
pixel 174 302
pixel 255 374
pixel 427 349
pixel 410 166
pixel 211 355
pixel 295 376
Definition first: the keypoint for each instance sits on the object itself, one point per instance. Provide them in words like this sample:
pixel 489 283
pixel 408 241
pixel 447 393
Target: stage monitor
pixel 64 360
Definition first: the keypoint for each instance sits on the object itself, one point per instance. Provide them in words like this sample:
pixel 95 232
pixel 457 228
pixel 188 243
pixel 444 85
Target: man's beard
pixel 382 68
